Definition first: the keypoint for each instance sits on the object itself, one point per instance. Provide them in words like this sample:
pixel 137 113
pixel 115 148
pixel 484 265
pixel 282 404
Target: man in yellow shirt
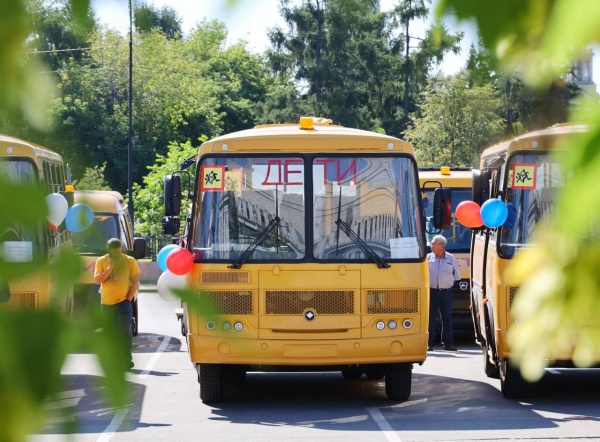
pixel 118 276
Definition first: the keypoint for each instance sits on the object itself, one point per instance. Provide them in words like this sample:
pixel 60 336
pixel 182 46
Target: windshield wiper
pixel 366 249
pixel 273 224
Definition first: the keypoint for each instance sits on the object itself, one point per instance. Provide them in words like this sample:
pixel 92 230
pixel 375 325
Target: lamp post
pixel 130 130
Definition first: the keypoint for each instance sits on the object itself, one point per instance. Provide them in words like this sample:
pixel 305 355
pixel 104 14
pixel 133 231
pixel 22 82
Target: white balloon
pixel 57 208
pixel 167 282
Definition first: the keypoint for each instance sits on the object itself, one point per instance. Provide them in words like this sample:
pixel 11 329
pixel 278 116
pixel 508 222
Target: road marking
pixel 550 370
pixel 119 417
pixel 384 426
pixel 155 356
pixel 114 425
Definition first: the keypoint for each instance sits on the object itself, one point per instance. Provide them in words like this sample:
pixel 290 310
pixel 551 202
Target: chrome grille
pixel 228 302
pixel 295 302
pixel 392 301
pixel 229 277
pixel 22 300
pixel 512 293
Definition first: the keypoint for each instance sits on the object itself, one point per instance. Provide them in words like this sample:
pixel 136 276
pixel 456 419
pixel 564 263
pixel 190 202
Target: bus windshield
pixel 92 241
pixel 458 237
pixel 532 181
pixel 255 208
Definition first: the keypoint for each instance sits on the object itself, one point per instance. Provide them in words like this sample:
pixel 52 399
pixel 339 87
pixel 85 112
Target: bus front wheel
pixel 512 384
pixel 211 382
pixel 398 378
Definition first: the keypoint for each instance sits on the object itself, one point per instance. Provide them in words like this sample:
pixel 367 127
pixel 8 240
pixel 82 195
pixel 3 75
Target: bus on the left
pixel 25 162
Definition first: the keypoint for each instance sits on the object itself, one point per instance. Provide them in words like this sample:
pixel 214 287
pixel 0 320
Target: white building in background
pixel 582 72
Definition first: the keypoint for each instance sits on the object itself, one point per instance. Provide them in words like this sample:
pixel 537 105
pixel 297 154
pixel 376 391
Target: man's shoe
pixel 450 348
pixel 430 348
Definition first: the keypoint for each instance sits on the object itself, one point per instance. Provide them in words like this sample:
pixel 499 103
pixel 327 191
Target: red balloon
pixel 468 213
pixel 180 261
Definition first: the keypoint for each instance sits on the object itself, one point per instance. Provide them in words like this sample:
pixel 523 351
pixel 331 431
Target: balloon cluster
pixel 493 213
pixel 175 262
pixel 77 217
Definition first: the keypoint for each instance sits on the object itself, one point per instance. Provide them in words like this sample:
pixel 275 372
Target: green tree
pixel 93 179
pixel 345 57
pixel 148 199
pixel 147 17
pixel 525 108
pixel 456 122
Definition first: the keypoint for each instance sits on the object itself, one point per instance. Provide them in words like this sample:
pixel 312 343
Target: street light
pixel 130 130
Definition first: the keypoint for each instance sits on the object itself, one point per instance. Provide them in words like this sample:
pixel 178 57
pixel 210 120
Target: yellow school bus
pixel 309 248
pixel 523 173
pixel 459 181
pixel 25 162
pixel 111 220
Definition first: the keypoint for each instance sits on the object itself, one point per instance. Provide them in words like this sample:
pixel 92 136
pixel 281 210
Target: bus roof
pixel 543 139
pixel 452 177
pixel 109 201
pixel 16 147
pixel 321 134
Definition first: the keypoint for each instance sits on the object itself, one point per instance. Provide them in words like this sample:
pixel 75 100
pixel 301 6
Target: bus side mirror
pixel 140 248
pixel 442 208
pixel 172 195
pixel 171 225
pixel 481 186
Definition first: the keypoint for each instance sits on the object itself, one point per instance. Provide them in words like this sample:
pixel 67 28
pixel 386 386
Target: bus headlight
pixel 392 324
pixel 407 323
pixel 227 325
pixel 380 325
pixel 210 325
pixel 238 326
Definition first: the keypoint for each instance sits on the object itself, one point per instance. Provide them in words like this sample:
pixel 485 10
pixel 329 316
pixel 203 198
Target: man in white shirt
pixel 443 271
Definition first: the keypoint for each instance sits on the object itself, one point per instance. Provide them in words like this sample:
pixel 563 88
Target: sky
pixel 250 20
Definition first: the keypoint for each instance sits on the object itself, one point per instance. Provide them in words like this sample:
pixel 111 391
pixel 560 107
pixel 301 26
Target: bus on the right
pixel 524 173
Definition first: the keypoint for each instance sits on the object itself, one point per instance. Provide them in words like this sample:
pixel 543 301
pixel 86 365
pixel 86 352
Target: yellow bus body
pixel 493 287
pixel 267 300
pixel 35 290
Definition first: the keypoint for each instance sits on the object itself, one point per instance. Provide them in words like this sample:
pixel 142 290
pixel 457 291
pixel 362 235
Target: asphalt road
pixel 451 399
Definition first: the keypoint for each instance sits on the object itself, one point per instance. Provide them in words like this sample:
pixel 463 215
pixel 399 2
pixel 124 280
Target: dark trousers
pixel 119 317
pixel 440 301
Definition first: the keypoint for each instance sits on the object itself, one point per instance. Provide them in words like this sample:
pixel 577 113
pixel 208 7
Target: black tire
pixel 236 374
pixel 512 384
pixel 491 370
pixel 375 374
pixel 352 374
pixel 398 378
pixel 134 321
pixel 211 383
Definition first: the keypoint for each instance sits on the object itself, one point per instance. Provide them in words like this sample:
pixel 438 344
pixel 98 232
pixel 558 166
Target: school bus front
pixel 309 248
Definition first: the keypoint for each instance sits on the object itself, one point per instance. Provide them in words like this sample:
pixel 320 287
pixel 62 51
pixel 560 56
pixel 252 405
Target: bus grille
pixel 392 301
pixel 295 302
pixel 22 300
pixel 228 277
pixel 512 293
pixel 228 302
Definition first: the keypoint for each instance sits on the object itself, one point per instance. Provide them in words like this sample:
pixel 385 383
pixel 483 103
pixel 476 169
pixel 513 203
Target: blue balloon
pixel 493 213
pixel 79 217
pixel 161 259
